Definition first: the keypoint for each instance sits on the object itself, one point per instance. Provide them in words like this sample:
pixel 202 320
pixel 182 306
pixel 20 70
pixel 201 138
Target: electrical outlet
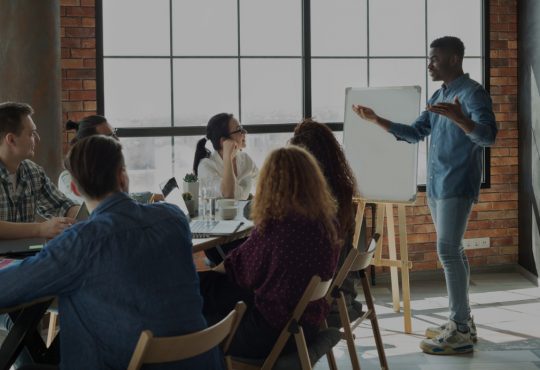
pixel 476 243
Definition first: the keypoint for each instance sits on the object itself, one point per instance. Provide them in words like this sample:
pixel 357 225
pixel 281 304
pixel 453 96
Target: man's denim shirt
pixel 128 268
pixel 454 158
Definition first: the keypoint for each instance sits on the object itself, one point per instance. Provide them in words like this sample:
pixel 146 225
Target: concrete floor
pixel 506 309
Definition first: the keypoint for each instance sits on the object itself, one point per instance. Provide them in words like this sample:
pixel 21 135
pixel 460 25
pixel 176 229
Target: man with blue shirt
pixel 459 117
pixel 127 268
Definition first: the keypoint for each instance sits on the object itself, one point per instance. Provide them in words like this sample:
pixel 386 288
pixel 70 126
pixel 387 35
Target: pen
pixel 237 227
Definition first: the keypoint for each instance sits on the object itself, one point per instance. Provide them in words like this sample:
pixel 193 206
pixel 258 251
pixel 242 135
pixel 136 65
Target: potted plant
pixel 191 186
pixel 190 203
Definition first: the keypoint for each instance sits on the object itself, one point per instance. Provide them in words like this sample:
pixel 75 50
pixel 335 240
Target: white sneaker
pixel 450 342
pixel 435 331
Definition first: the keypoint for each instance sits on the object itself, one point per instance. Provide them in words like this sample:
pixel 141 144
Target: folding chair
pixel 306 356
pixel 153 350
pixel 357 262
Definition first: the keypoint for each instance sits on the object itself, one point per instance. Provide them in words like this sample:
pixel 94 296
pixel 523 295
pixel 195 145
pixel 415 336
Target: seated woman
pixel 319 140
pixel 227 166
pixel 88 126
pixel 227 169
pixel 295 237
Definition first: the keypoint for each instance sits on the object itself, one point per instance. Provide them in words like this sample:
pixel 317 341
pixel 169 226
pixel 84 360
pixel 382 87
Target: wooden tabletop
pixel 201 244
pixel 212 242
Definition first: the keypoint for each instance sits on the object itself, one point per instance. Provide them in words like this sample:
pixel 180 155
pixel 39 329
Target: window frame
pixel 306 58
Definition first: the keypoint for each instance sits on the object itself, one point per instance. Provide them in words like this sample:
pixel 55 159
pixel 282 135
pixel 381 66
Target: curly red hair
pixel 290 181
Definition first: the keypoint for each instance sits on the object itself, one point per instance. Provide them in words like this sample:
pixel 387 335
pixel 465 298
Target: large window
pixel 167 66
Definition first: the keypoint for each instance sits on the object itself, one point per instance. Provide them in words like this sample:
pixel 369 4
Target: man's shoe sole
pixel 446 351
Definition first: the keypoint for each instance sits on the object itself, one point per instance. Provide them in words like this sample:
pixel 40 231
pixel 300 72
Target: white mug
pixel 226 203
pixel 228 213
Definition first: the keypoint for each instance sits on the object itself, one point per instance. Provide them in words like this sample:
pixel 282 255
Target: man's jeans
pixel 450 218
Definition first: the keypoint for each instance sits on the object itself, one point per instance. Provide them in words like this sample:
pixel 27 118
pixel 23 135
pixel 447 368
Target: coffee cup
pixel 226 203
pixel 228 212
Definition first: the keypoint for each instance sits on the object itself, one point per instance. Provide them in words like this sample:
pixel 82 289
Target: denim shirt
pixel 454 157
pixel 128 268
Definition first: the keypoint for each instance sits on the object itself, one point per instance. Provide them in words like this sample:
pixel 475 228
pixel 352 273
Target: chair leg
pixel 52 328
pixel 332 364
pixel 302 349
pixel 349 337
pixel 374 321
pixel 330 354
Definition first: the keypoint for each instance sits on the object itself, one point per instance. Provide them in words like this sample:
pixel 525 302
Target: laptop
pixel 21 246
pixel 83 213
pixel 199 228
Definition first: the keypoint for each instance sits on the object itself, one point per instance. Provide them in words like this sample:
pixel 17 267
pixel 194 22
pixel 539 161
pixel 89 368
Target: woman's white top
pixel 64 185
pixel 210 171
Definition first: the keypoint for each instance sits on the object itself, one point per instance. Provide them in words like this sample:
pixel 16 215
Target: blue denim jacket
pixel 128 268
pixel 454 157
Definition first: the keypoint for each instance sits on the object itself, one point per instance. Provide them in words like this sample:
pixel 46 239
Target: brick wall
pixel 78 31
pixel 495 216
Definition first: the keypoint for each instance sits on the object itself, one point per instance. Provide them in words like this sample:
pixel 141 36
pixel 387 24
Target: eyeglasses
pixel 113 133
pixel 240 129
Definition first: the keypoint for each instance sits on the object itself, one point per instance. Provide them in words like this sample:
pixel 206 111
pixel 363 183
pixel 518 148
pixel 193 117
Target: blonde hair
pixel 291 181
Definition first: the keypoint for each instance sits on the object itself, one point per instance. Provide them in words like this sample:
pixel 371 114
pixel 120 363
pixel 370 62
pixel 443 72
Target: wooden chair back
pixel 154 350
pixel 315 290
pixel 363 260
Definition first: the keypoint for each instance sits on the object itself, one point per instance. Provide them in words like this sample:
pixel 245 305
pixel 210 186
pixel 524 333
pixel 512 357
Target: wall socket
pixel 476 243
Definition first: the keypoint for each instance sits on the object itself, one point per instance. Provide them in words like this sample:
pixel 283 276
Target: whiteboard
pixel 385 168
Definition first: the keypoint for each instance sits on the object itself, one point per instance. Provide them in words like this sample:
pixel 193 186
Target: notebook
pixel 21 246
pixel 199 228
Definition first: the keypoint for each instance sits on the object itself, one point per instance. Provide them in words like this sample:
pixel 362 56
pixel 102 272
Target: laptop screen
pixel 175 197
pixel 83 213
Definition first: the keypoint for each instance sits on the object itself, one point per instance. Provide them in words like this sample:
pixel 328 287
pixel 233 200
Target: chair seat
pixel 325 340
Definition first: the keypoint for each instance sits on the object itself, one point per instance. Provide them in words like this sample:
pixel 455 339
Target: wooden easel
pixel 403 263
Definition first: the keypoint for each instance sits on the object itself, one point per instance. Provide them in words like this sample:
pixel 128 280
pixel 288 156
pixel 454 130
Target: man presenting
pixel 25 189
pixel 459 117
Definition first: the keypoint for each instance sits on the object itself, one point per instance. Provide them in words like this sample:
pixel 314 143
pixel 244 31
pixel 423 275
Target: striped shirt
pixel 34 194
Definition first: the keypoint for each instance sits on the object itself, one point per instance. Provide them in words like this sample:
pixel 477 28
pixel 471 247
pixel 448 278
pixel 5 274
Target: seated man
pixel 127 268
pixel 25 190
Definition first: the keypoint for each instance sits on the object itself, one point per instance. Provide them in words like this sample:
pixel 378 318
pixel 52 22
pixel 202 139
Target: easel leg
pixel 404 253
pixel 379 229
pixel 392 255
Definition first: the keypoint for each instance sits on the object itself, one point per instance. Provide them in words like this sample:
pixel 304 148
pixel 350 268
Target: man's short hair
pixel 11 115
pixel 451 44
pixel 94 163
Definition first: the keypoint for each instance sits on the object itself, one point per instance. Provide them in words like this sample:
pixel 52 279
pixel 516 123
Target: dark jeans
pixel 254 337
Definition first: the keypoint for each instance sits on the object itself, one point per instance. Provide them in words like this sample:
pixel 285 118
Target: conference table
pixel 201 244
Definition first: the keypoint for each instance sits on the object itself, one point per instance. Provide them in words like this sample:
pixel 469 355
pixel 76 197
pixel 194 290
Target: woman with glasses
pixel 88 126
pixel 227 168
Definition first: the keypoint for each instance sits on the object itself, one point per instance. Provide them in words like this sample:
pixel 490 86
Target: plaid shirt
pixel 35 193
